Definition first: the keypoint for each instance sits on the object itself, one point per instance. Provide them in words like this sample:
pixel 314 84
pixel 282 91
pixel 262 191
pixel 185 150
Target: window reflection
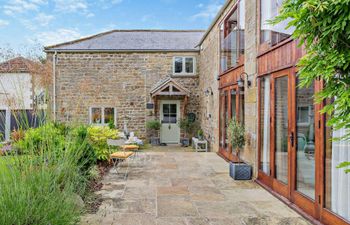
pixel 232 38
pixel 269 33
pixel 305 141
pixel 281 128
pixel 265 125
pixel 337 182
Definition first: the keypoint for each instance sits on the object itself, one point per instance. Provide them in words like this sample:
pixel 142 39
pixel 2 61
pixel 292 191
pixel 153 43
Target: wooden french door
pixel 287 144
pixel 297 156
pixel 231 106
pixel 280 143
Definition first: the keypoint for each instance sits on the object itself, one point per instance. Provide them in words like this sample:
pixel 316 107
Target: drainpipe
pixel 54 84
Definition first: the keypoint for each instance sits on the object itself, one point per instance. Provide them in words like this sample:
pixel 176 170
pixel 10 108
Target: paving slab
pixel 185 188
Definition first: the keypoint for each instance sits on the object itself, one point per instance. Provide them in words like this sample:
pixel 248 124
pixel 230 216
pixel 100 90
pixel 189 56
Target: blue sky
pixel 25 23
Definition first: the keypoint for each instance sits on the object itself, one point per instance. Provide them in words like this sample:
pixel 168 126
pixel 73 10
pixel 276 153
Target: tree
pixel 323 29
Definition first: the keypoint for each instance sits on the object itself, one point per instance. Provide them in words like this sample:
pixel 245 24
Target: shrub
pixel 98 136
pixel 153 125
pixel 187 125
pixel 80 142
pixel 236 135
pixel 41 189
pixel 41 139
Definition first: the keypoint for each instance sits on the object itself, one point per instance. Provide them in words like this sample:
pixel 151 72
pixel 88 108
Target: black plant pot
pixel 155 141
pixel 185 142
pixel 240 171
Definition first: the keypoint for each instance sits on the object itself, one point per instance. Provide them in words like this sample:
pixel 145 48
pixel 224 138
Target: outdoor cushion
pixel 121 155
pixel 130 147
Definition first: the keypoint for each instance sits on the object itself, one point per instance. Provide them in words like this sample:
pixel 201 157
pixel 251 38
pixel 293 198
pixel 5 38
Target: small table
pixel 200 145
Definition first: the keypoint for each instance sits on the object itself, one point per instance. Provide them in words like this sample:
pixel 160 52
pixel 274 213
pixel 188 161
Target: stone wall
pixel 251 97
pixel 120 80
pixel 209 65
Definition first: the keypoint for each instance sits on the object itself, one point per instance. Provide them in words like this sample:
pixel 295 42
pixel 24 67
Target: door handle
pixel 291 138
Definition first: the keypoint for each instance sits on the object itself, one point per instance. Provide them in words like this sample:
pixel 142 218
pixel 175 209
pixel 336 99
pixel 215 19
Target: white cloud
pixel 3 23
pixel 71 6
pixel 55 37
pixel 106 4
pixel 43 19
pixel 13 7
pixel 208 12
pixel 40 20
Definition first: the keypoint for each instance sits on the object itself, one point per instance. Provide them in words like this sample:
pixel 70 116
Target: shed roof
pixel 135 40
pixel 16 65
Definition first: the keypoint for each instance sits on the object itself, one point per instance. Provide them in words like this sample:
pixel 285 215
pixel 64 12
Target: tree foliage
pixel 323 29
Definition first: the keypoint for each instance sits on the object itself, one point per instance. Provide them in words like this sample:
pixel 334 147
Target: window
pixel 102 115
pixel 272 34
pixel 232 37
pixel 303 115
pixel 184 65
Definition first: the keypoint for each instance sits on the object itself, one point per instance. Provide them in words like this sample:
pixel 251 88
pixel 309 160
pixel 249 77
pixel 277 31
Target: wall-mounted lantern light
pixel 240 81
pixel 208 92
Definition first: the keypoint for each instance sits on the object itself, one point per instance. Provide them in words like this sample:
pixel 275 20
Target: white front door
pixel 169 117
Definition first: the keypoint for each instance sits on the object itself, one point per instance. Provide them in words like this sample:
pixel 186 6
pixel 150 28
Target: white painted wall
pixel 16 91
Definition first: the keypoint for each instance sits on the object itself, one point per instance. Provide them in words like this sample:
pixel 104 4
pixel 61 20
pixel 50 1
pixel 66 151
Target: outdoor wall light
pixel 208 92
pixel 240 81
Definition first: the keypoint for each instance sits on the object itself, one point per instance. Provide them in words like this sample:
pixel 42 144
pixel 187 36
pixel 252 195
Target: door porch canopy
pixel 168 88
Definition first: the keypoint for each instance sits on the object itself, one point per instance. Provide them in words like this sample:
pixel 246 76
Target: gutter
pixel 118 50
pixel 54 84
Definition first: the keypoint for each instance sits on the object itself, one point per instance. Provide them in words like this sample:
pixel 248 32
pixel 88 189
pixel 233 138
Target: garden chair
pixel 118 157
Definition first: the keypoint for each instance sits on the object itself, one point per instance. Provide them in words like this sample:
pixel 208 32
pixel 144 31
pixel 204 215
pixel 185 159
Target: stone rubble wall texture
pixel 120 80
pixel 209 65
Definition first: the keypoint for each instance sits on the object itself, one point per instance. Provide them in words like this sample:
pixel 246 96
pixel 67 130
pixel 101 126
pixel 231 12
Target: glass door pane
pixel 305 141
pixel 337 182
pixel 281 128
pixel 223 118
pixel 265 125
pixel 233 104
pixel 226 119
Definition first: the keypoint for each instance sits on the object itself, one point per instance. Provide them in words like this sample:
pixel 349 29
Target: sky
pixel 28 23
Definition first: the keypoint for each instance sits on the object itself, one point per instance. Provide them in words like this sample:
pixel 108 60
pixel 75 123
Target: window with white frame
pixel 102 115
pixel 184 65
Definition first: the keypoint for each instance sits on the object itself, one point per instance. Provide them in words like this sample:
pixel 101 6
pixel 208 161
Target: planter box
pixel 155 141
pixel 185 142
pixel 240 171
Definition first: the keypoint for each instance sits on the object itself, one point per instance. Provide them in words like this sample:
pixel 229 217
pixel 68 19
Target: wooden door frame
pixel 310 206
pixel 227 152
pixel 178 113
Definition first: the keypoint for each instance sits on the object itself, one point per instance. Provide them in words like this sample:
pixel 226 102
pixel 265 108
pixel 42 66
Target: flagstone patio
pixel 185 188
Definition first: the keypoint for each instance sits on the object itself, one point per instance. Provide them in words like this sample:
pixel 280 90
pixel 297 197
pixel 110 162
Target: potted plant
pixel 154 126
pixel 186 125
pixel 236 135
pixel 200 134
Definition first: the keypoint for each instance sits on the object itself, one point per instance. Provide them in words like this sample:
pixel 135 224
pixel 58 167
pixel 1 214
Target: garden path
pixel 186 188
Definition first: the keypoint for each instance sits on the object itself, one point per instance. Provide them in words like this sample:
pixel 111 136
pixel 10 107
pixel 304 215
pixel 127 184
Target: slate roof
pixel 135 40
pixel 16 65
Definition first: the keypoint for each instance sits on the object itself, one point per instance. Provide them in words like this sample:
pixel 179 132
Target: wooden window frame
pixel 102 108
pixel 183 73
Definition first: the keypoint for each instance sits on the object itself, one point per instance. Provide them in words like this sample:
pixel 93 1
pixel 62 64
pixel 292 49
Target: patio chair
pixel 118 157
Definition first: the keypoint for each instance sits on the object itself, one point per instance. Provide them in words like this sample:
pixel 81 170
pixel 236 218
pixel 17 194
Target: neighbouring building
pixel 241 67
pixel 18 95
